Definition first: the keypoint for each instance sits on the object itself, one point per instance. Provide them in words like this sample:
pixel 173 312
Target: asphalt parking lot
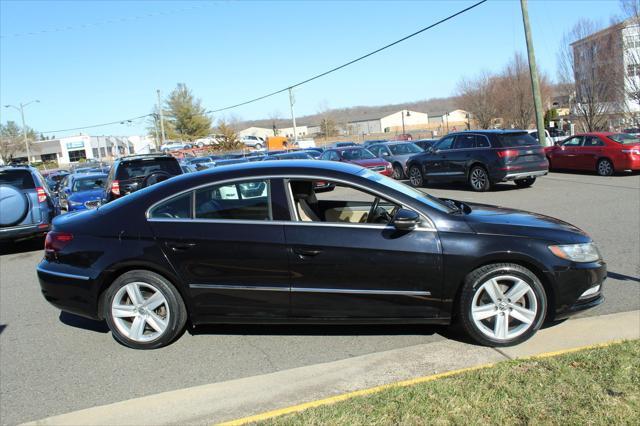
pixel 52 363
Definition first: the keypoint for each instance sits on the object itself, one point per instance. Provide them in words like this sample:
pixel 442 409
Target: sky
pixel 93 62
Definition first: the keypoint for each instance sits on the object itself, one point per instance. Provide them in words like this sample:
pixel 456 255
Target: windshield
pixel 625 138
pixel 404 149
pixel 514 140
pixel 88 184
pixel 430 200
pixel 357 154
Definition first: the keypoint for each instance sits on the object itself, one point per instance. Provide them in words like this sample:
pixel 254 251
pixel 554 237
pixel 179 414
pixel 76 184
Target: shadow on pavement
pixel 463 186
pixel 2 327
pixel 24 246
pixel 83 323
pixel 621 277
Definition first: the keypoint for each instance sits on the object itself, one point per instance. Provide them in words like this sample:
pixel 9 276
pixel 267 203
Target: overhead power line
pixel 98 125
pixel 332 70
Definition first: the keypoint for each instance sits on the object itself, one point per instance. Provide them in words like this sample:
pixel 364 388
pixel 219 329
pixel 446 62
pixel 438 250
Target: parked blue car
pixel 81 191
pixel 26 205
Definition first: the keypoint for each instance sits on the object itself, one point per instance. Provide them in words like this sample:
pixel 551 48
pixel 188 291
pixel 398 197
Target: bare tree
pixel 478 96
pixel 588 63
pixel 228 138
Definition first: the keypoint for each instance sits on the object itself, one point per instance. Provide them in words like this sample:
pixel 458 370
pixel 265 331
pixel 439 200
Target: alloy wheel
pixel 397 172
pixel 415 176
pixel 504 307
pixel 605 168
pixel 140 312
pixel 478 178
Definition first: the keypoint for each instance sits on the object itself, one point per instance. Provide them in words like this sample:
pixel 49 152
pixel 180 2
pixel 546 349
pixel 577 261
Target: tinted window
pixel 176 208
pixel 464 142
pixel 445 143
pixel 21 179
pixel 593 141
pixel 249 200
pixel 574 141
pixel 326 155
pixel 404 149
pixel 357 154
pixel 482 142
pixel 139 168
pixel 88 184
pixel 512 140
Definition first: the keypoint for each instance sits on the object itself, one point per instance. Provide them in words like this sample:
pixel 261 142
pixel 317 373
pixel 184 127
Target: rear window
pixel 514 140
pixel 625 138
pixel 21 179
pixel 89 184
pixel 134 169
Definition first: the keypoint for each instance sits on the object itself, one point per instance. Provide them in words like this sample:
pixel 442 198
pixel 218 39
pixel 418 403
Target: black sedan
pixel 256 242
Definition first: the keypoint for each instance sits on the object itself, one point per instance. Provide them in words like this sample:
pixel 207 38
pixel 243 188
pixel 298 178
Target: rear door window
pixel 482 142
pixel 593 141
pixel 574 141
pixel 139 168
pixel 464 142
pixel 247 200
pixel 20 179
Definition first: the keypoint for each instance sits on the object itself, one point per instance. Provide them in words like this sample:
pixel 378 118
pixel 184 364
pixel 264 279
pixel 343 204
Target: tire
pixel 605 167
pixel 479 179
pixel 134 324
pixel 416 178
pixel 484 320
pixel 525 183
pixel 200 145
pixel 398 173
pixel 257 146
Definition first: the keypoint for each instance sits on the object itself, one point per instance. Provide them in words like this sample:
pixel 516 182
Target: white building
pixel 404 120
pixel 264 133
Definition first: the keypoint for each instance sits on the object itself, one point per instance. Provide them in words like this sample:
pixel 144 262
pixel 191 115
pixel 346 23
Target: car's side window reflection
pixel 176 208
pixel 329 202
pixel 248 200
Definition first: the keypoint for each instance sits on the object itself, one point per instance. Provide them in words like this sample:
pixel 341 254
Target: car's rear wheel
pixel 479 179
pixel 605 167
pixel 502 304
pixel 415 176
pixel 526 182
pixel 398 173
pixel 144 310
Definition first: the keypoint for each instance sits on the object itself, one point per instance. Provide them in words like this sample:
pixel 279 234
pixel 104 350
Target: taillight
pixel 115 187
pixel 42 196
pixel 508 153
pixel 56 241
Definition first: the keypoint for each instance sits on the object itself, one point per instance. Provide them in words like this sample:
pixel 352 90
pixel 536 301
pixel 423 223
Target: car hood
pixel 486 219
pixel 81 197
pixel 369 163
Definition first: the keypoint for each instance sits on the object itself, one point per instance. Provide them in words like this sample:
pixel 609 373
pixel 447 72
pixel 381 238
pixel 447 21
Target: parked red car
pixel 360 156
pixel 603 152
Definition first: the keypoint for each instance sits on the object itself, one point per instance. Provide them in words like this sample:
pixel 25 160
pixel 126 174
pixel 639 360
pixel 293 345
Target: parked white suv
pixel 174 145
pixel 209 140
pixel 253 141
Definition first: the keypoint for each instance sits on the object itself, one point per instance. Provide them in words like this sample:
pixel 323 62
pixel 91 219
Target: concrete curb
pixel 239 398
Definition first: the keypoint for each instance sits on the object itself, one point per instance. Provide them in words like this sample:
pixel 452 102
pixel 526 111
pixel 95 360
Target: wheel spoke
pixel 154 301
pixel 123 311
pixel 157 323
pixel 523 314
pixel 483 312
pixel 494 291
pixel 134 294
pixel 516 292
pixel 501 327
pixel 137 328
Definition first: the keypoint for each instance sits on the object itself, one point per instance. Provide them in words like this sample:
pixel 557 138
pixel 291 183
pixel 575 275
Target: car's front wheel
pixel 415 176
pixel 526 182
pixel 502 304
pixel 144 310
pixel 398 173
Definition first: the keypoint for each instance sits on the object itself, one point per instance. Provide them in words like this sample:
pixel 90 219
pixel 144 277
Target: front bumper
pixel 23 231
pixel 572 282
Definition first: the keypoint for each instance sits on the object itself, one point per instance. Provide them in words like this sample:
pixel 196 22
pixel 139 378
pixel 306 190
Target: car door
pixel 461 154
pixel 343 267
pixel 566 155
pixel 436 164
pixel 589 153
pixel 226 245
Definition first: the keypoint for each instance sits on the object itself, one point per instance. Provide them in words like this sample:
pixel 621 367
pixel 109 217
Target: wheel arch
pixel 473 163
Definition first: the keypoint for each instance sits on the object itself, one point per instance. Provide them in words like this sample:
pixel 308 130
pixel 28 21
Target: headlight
pixel 577 252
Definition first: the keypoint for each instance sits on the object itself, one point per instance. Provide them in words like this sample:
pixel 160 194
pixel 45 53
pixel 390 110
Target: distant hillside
pixel 435 106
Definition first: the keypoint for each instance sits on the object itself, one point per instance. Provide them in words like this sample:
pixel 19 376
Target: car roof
pixel 142 156
pixel 490 131
pixel 299 165
pixel 87 175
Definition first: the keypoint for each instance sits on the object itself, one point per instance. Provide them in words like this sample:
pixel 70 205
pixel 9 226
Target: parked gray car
pixel 397 153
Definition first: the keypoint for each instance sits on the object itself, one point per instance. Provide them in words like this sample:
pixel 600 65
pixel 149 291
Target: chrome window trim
pixel 311 290
pixel 429 226
pixel 62 274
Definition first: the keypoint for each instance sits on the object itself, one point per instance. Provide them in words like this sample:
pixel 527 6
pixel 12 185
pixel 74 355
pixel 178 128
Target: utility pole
pixel 24 125
pixel 403 132
pixel 533 70
pixel 293 118
pixel 161 118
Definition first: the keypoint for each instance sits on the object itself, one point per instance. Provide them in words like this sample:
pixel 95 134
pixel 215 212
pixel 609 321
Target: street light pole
pixel 161 117
pixel 293 118
pixel 24 125
pixel 402 115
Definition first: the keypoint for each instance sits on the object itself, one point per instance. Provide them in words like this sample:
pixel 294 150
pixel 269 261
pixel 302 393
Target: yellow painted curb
pixel 342 397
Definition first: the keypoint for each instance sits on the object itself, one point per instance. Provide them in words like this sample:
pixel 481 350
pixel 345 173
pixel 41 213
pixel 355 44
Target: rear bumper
pixel 524 175
pixel 70 292
pixel 23 231
pixel 628 163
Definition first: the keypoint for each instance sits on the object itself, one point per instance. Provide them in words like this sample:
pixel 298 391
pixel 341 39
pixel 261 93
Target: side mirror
pixel 405 220
pixel 385 154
